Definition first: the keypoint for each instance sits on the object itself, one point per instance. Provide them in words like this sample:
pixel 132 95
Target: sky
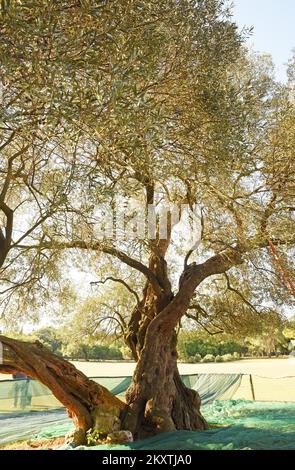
pixel 274 28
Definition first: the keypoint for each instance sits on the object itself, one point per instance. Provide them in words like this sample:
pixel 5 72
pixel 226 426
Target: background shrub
pixel 218 358
pixel 208 358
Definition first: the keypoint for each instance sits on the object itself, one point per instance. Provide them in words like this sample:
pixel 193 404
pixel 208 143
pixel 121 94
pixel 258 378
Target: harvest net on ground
pixel 28 409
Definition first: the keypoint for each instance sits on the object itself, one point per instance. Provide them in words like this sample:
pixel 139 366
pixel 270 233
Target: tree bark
pixel 86 401
pixel 157 399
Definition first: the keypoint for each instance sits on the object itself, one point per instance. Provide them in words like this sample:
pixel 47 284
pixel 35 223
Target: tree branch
pixel 229 287
pixel 97 246
pixel 110 278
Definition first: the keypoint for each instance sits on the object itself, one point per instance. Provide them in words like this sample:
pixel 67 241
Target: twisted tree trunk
pixel 157 399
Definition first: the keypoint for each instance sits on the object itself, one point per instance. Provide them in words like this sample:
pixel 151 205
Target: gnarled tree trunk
pixel 86 401
pixel 157 399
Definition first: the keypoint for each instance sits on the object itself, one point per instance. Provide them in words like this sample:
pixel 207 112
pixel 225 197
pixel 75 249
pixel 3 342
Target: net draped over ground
pixel 29 410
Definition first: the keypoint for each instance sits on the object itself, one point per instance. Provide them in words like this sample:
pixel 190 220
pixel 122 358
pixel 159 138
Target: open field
pixel 273 379
pixel 263 367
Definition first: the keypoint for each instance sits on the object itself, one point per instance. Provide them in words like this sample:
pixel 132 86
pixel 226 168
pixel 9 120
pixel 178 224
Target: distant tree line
pixel 193 346
pixel 73 348
pixel 201 347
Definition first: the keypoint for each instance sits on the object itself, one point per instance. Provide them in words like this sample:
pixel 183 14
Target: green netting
pixel 57 430
pixel 246 425
pixel 116 386
pixel 18 396
pixel 18 427
pixel 213 386
pixel 22 403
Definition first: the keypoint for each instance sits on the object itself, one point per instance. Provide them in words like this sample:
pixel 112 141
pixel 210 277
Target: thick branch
pixel 8 141
pixel 70 386
pixel 9 222
pixel 169 317
pixel 9 172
